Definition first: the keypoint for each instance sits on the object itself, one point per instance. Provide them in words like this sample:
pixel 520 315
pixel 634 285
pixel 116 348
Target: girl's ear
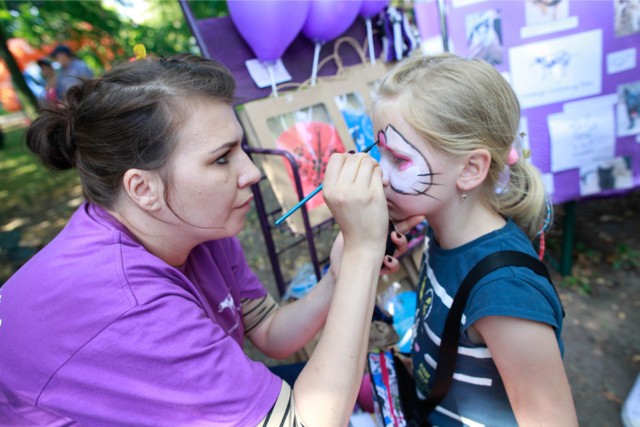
pixel 475 169
pixel 143 188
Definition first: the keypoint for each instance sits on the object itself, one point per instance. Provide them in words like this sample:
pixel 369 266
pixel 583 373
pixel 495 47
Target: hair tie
pixel 505 175
pixel 547 219
pixel 545 226
pixel 513 156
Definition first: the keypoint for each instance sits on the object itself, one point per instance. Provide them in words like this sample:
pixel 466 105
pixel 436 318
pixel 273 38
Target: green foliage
pixel 587 253
pixel 625 258
pixel 582 284
pixel 44 22
pixel 34 202
pixel 207 9
pixel 105 36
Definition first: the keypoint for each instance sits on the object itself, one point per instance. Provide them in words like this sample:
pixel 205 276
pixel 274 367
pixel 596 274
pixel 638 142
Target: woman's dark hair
pixel 127 118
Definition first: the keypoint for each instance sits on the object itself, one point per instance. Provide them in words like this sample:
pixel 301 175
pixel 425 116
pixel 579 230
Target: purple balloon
pixel 268 26
pixel 327 19
pixel 371 8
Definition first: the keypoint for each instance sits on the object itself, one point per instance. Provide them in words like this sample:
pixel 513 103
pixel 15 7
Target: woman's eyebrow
pixel 223 147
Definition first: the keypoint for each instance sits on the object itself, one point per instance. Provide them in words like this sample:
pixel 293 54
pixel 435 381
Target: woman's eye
pixel 222 160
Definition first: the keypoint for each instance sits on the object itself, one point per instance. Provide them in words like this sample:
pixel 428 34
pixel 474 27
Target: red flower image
pixel 311 143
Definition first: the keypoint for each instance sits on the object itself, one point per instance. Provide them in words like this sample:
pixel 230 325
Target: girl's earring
pixel 463 197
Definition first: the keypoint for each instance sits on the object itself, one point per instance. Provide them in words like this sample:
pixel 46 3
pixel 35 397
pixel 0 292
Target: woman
pixel 135 313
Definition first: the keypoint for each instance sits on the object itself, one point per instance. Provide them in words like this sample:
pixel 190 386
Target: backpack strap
pixel 451 334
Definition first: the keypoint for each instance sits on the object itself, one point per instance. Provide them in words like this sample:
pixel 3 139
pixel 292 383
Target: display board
pixel 574 66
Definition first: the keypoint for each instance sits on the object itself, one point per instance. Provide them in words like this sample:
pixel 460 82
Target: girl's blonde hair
pixel 458 105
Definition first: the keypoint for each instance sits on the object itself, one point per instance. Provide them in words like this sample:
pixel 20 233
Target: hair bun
pixel 51 137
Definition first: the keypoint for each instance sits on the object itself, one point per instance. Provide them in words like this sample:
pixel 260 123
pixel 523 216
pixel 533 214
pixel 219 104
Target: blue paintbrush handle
pixel 299 204
pixel 313 193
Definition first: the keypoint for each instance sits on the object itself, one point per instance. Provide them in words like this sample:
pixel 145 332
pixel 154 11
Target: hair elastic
pixel 547 219
pixel 545 226
pixel 517 150
pixel 513 156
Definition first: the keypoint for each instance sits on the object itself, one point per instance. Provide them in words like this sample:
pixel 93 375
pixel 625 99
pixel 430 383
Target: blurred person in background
pixel 48 94
pixel 72 69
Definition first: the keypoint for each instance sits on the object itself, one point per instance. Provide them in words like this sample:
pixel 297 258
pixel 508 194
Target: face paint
pixel 403 164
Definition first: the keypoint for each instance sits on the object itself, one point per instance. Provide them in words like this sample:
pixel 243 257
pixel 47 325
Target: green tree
pixel 103 36
pixel 88 24
pixel 207 9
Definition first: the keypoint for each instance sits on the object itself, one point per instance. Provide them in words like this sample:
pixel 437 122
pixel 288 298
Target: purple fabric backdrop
pixel 591 15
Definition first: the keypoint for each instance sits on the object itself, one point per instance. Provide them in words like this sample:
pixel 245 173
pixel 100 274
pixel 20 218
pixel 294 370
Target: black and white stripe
pixel 254 311
pixel 283 412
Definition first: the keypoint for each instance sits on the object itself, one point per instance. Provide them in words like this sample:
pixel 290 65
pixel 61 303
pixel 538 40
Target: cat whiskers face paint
pixel 408 171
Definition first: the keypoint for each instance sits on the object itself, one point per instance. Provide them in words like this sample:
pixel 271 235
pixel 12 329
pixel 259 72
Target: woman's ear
pixel 475 169
pixel 143 188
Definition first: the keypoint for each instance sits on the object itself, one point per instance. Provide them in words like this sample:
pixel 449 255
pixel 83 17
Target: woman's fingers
pixel 390 265
pixel 405 226
pixel 398 237
pixel 366 168
pixel 354 194
pixel 332 172
pixel 401 243
pixel 352 177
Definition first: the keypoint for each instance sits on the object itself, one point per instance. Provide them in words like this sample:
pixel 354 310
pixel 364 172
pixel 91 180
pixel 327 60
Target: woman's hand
pixel 390 263
pixel 399 239
pixel 327 387
pixel 353 192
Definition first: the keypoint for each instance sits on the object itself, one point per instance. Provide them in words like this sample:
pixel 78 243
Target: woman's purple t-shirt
pixel 95 329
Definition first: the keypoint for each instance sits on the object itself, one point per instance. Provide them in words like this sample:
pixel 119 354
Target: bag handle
pixel 451 335
pixel 361 51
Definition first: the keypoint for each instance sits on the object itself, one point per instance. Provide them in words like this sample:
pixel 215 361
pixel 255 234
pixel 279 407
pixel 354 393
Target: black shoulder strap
pixel 451 334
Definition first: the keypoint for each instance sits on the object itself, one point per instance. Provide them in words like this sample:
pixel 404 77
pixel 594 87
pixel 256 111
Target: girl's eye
pixel 399 161
pixel 396 159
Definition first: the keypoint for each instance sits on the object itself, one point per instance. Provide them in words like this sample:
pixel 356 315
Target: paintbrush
pixel 313 193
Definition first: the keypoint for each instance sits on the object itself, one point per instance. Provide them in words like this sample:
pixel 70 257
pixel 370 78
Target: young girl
pixel 135 314
pixel 447 128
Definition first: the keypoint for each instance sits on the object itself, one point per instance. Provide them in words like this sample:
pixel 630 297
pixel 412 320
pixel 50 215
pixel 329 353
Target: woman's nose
pixel 250 174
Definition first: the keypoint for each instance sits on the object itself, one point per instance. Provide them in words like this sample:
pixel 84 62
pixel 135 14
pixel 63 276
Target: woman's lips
pixel 247 203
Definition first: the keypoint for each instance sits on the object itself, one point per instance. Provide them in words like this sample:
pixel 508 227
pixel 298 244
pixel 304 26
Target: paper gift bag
pixel 311 123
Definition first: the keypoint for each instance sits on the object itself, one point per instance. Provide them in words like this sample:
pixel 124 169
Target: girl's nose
pixel 385 175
